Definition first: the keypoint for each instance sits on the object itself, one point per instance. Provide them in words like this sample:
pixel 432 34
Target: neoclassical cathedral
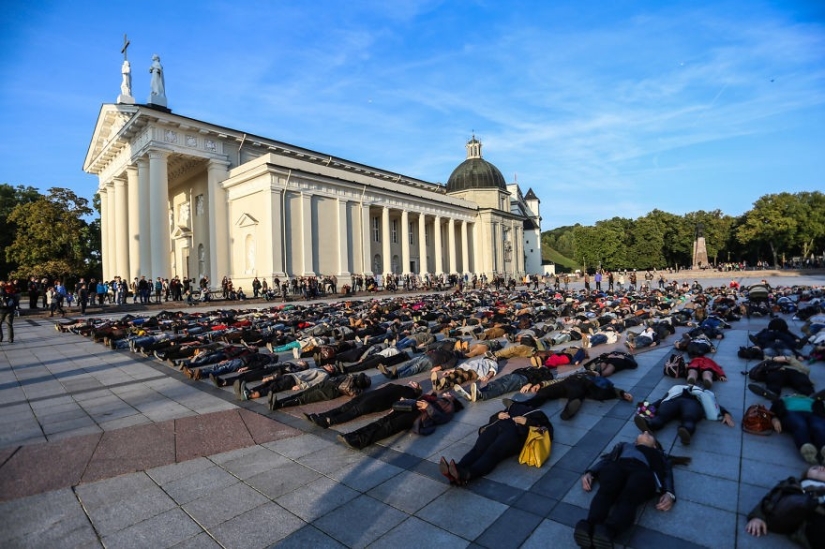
pixel 184 197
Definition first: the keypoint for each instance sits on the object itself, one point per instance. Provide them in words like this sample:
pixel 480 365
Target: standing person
pixel 6 311
pixel 628 476
pixel 34 293
pixel 82 296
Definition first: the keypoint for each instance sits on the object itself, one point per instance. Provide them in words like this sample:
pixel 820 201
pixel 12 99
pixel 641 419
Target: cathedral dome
pixel 475 172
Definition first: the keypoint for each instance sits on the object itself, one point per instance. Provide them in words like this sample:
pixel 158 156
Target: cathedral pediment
pixel 111 120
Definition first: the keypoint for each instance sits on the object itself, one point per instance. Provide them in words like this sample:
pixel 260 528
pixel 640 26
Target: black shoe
pixel 215 380
pixel 763 392
pixel 642 424
pixel 383 369
pixel 582 534
pixel 344 439
pixel 602 538
pixel 753 339
pixel 571 409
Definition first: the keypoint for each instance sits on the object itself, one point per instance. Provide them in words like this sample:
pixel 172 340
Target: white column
pixel 422 244
pixel 217 172
pixel 366 239
pixel 439 266
pixel 306 234
pixel 451 245
pixel 278 232
pixel 121 229
pixel 133 233
pixel 159 213
pixel 110 236
pixel 405 242
pixel 385 240
pixel 105 253
pixel 144 225
pixel 465 248
pixel 343 235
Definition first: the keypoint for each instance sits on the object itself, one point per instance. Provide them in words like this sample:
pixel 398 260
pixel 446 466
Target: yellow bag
pixel 536 448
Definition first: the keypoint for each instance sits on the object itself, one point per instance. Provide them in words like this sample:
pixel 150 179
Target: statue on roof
pixel 157 96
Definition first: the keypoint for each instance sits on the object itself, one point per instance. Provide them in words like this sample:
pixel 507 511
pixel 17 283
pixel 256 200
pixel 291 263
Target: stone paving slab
pixel 276 480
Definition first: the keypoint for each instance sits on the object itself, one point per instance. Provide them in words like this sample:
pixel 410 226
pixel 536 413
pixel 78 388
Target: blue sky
pixel 602 108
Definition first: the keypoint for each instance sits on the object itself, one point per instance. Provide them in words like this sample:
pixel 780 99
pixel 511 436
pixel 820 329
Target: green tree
pixel 9 198
pixel 774 222
pixel 51 236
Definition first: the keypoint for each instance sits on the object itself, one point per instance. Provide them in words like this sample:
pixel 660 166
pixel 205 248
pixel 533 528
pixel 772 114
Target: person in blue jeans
pixel 432 360
pixel 509 383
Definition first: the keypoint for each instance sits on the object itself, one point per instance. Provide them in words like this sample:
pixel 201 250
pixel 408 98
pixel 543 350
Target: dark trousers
pixel 392 423
pixel 805 427
pixel 370 402
pixel 374 361
pixel 788 377
pixel 624 484
pixel 326 390
pixel 7 317
pixel 687 409
pixel 496 443
pixel 571 388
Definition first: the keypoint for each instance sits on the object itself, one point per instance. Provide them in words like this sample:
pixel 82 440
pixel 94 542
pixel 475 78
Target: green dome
pixel 475 172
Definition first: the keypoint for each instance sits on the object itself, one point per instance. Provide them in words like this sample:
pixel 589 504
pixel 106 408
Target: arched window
pixel 395 265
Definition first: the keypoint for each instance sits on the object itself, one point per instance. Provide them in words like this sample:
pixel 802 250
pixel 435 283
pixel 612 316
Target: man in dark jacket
pixel 370 402
pixel 431 410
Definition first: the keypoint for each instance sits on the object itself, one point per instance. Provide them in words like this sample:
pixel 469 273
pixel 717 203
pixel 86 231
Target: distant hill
pixel 563 264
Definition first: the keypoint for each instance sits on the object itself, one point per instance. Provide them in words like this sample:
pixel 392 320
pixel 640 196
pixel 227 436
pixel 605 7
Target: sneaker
pixel 216 381
pixel 642 424
pixel 473 392
pixel 763 392
pixel 462 393
pixel 296 352
pixel 383 370
pixel 434 378
pixel 809 453
pixel 684 436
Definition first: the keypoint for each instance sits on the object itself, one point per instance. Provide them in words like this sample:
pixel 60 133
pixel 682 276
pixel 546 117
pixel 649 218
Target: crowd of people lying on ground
pixel 296 354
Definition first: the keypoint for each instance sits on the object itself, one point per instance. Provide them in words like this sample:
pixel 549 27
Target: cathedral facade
pixel 184 197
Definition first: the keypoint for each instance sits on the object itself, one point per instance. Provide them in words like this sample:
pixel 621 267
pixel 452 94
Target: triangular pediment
pixel 110 121
pixel 181 232
pixel 246 220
